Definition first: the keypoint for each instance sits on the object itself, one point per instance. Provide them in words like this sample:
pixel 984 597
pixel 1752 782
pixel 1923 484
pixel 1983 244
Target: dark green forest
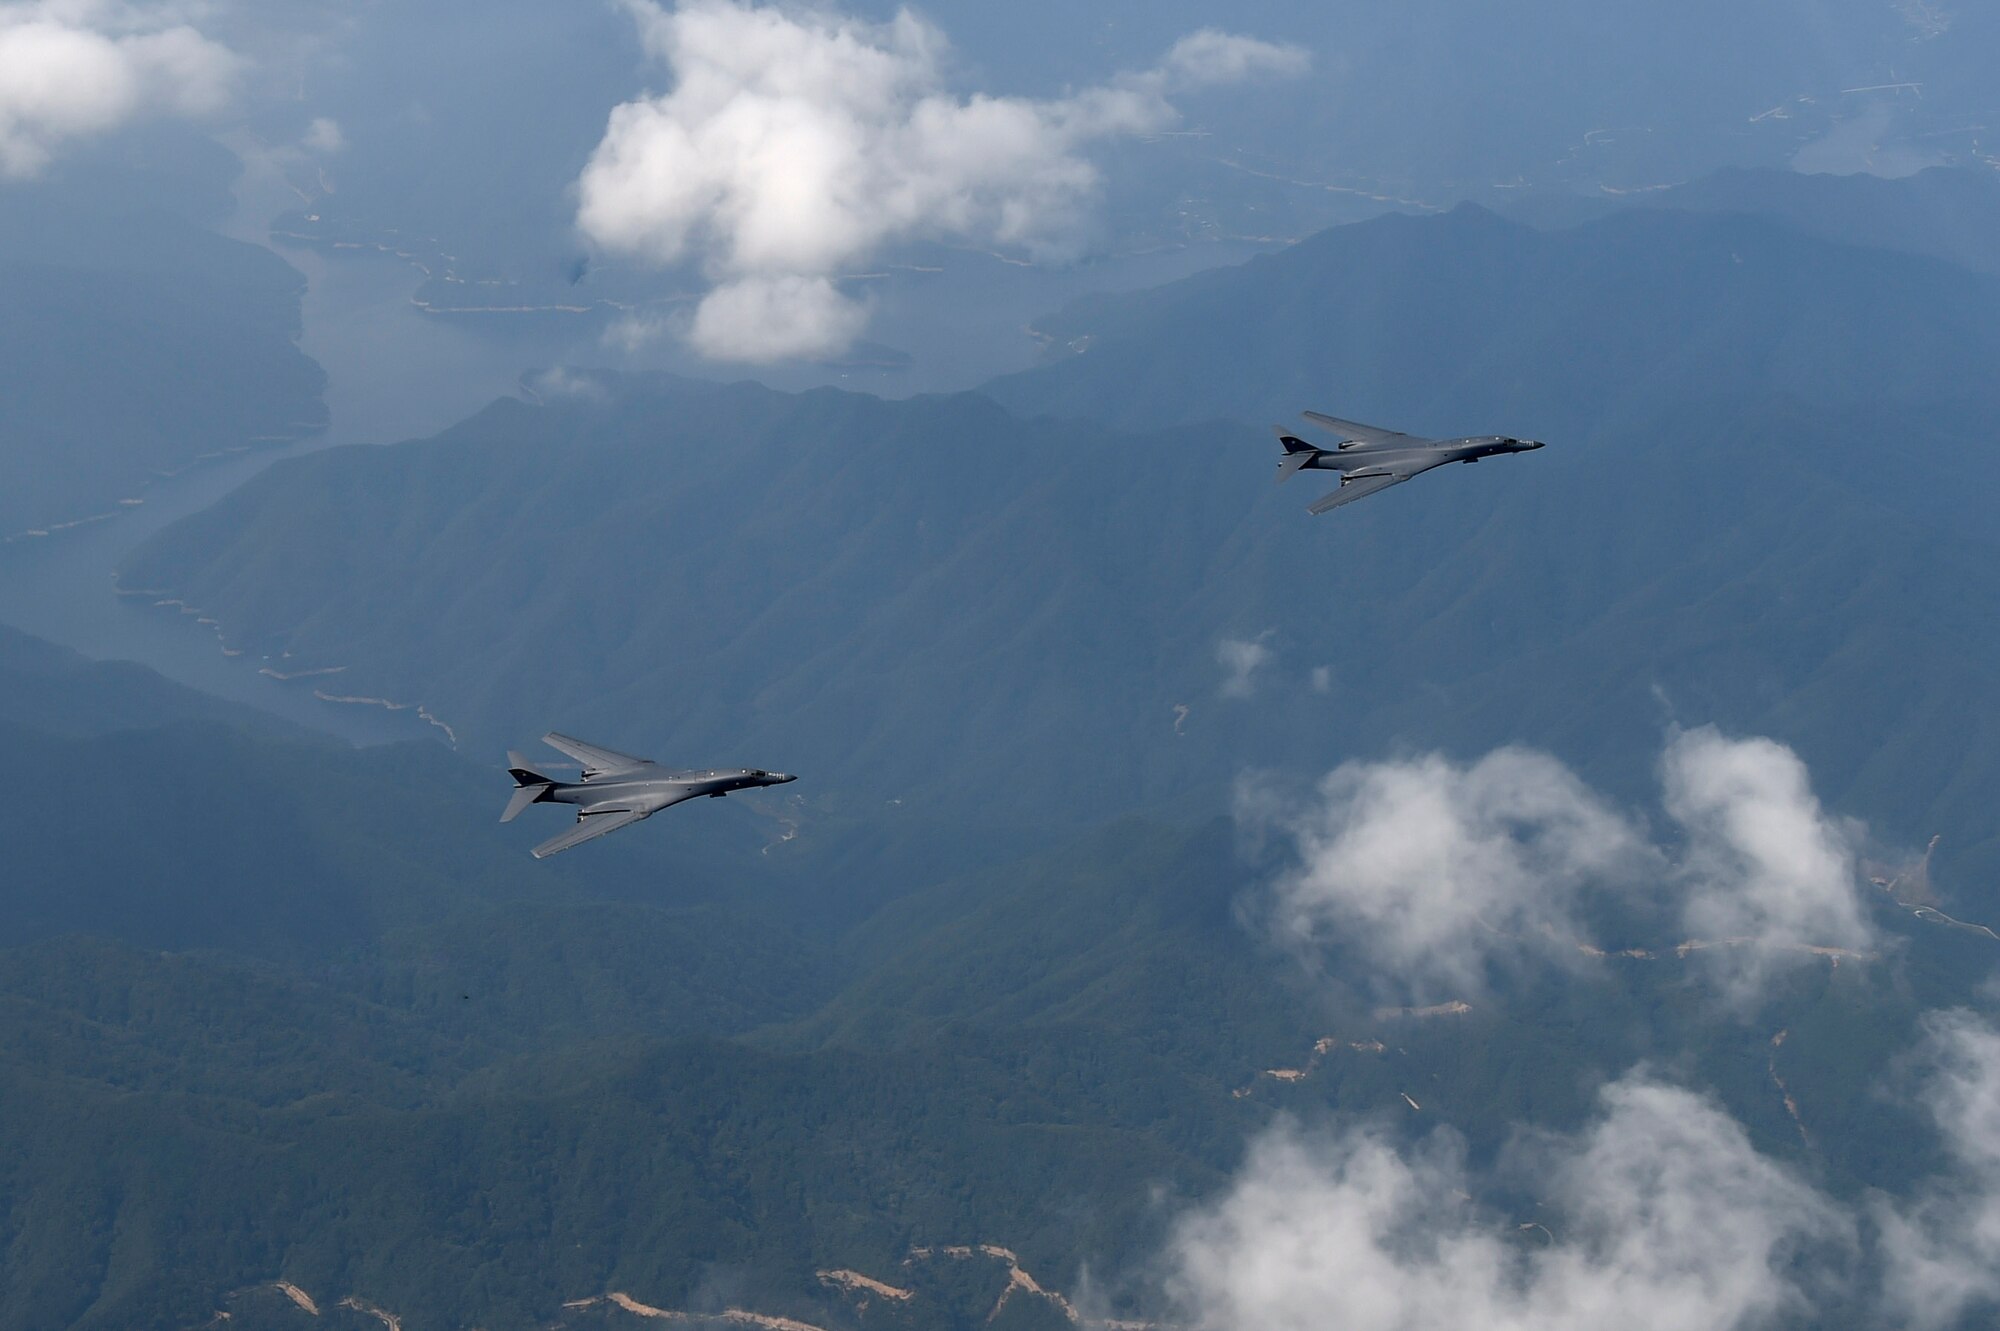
pixel 312 1022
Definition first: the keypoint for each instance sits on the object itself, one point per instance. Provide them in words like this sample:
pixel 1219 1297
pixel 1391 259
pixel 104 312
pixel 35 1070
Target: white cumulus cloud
pixel 70 71
pixel 1438 869
pixel 797 141
pixel 1942 1252
pixel 1763 861
pixel 1435 866
pixel 1659 1216
pixel 1665 1218
pixel 776 317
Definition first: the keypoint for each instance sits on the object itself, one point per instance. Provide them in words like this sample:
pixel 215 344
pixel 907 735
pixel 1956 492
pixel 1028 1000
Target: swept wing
pixel 596 761
pixel 588 826
pixel 1358 487
pixel 1361 435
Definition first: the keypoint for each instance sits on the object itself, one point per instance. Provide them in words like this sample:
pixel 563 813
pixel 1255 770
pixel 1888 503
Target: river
pixel 395 373
pixel 392 374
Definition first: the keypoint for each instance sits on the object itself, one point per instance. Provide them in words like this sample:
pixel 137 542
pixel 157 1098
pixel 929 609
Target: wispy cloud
pixel 1212 56
pixel 562 382
pixel 1241 659
pixel 796 142
pixel 324 136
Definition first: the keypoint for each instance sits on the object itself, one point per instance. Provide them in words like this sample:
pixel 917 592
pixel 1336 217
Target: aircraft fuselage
pixel 657 787
pixel 1425 456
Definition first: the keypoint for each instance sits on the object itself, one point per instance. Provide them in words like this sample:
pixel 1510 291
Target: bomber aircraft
pixel 1371 460
pixel 617 789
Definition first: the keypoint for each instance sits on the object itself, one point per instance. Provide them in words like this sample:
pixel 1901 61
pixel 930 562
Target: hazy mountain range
pixel 1089 943
pixel 1715 536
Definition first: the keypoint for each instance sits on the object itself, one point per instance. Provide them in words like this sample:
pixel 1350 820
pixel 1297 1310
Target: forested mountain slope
pixel 932 610
pixel 337 1033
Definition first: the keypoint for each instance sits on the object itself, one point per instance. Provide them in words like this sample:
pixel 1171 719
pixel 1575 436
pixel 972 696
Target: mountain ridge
pixel 1375 320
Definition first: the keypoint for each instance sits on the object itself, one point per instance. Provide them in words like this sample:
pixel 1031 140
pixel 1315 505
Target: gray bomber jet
pixel 1371 460
pixel 617 789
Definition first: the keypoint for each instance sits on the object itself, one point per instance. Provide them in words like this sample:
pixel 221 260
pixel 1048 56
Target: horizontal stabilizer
pixel 523 796
pixel 1294 462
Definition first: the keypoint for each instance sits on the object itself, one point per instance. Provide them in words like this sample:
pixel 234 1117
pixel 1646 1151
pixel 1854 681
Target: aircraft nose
pixel 780 778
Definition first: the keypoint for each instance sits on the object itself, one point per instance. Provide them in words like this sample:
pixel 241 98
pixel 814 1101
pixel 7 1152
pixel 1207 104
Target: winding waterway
pixel 395 373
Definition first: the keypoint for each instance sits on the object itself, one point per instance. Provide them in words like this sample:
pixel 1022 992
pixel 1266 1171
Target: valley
pixel 997 1019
